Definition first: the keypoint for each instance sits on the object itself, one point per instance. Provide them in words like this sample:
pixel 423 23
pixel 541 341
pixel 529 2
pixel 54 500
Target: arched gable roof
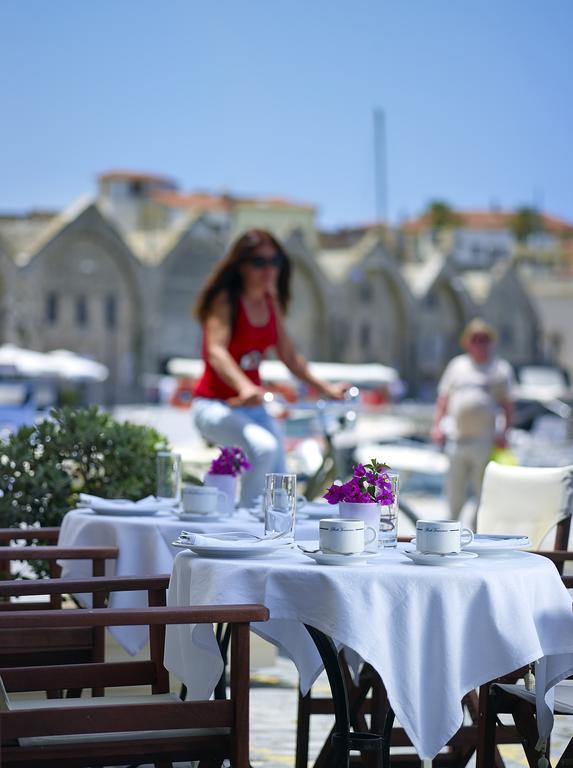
pixel 85 220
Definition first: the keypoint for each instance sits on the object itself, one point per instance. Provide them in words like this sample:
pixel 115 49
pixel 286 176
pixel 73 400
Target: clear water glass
pixel 389 516
pixel 168 470
pixel 279 504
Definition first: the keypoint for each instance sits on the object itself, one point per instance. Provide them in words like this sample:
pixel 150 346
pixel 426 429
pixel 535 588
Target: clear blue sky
pixel 264 97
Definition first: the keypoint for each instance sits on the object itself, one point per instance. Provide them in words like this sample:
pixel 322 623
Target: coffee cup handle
pixel 466 532
pixel 300 499
pixel 369 530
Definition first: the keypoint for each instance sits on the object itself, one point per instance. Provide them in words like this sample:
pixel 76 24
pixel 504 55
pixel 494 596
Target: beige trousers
pixel 468 460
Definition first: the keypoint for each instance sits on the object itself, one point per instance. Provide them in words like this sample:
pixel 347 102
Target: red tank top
pixel 247 346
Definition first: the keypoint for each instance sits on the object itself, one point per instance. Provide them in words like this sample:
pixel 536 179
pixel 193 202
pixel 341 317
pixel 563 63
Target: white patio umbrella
pixel 61 364
pixel 22 362
pixel 67 365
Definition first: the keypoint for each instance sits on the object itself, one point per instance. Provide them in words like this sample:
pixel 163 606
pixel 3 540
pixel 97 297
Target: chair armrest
pixel 21 587
pixel 117 617
pixel 58 553
pixel 29 534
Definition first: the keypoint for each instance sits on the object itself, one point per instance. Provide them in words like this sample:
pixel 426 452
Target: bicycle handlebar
pixel 351 399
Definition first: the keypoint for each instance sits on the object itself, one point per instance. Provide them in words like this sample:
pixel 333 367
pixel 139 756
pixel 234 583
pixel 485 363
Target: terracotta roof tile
pixel 490 220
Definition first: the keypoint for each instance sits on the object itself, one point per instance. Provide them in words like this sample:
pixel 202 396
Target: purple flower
pixel 231 461
pixel 368 483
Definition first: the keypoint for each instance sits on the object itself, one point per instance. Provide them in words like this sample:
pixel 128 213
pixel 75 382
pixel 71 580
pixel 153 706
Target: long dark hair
pixel 227 275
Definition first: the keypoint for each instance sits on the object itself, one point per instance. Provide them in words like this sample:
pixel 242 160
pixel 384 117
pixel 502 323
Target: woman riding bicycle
pixel 241 309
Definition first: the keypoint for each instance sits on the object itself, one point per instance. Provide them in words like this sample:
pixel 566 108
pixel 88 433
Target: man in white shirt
pixel 474 387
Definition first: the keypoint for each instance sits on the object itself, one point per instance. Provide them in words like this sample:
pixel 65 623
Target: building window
pixel 82 311
pixel 52 308
pixel 365 337
pixel 111 311
pixel 365 292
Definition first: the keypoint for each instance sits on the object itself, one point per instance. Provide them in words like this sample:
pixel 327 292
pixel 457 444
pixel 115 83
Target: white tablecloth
pixel 145 549
pixel 432 633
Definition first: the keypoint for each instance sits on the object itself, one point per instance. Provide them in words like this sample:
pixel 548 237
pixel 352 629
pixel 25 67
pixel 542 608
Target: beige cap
pixel 478 325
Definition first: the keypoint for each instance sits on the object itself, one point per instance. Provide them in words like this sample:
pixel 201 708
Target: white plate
pixel 127 510
pixel 235 553
pixel 197 517
pixel 496 544
pixel 425 558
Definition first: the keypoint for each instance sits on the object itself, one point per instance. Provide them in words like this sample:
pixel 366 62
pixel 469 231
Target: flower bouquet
pixel 230 461
pixel 224 471
pixel 370 483
pixel 369 495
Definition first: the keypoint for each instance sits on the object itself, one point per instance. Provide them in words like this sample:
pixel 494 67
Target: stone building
pixel 116 278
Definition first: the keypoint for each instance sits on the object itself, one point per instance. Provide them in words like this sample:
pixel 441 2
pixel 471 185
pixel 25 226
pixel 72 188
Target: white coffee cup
pixel 340 536
pixel 201 499
pixel 441 537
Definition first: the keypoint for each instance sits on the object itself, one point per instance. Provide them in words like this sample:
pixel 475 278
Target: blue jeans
pixel 250 427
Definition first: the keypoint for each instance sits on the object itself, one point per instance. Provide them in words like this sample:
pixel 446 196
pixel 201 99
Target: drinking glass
pixel 169 476
pixel 389 515
pixel 279 504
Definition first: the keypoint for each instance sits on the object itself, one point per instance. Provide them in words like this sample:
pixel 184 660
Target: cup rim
pixel 359 524
pixel 453 525
pixel 210 489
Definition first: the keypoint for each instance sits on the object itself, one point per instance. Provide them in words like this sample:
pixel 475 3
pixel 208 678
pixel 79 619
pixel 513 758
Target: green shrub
pixel 43 468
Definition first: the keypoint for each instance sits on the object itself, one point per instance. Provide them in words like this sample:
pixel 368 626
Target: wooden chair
pixel 510 698
pixel 63 645
pixel 112 730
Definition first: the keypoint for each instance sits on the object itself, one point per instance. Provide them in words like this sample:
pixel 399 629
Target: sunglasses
pixel 260 262
pixel 481 339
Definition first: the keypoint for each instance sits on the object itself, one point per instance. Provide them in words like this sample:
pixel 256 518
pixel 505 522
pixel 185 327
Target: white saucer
pixel 328 558
pixel 497 544
pixel 199 517
pixel 429 558
pixel 323 558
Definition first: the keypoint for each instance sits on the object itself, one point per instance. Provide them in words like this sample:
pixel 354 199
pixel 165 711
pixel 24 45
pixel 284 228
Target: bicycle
pixel 332 418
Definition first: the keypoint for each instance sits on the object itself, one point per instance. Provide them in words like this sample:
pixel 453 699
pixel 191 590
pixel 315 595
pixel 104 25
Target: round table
pixel 432 633
pixel 145 549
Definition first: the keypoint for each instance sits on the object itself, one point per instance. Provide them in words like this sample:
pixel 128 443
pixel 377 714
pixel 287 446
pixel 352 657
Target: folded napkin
pixel 230 540
pixel 148 503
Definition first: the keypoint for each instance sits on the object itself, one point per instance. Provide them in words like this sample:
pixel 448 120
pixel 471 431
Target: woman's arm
pixel 297 364
pixel 217 337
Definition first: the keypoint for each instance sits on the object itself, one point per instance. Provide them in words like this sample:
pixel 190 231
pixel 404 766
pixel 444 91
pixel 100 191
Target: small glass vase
pixel 389 516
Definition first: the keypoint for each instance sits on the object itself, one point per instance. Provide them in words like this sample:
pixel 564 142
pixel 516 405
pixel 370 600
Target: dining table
pixel 145 548
pixel 433 634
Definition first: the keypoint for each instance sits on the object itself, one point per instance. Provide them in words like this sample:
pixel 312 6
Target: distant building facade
pixel 116 277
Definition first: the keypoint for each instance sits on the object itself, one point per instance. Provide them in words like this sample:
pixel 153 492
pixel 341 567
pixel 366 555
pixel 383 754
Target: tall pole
pixel 380 167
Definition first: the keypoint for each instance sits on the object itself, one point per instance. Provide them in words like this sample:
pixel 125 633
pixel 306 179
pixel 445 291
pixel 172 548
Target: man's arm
pixel 438 436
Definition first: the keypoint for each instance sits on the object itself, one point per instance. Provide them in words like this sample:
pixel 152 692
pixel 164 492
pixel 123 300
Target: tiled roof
pixel 200 200
pixel 211 202
pixel 489 220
